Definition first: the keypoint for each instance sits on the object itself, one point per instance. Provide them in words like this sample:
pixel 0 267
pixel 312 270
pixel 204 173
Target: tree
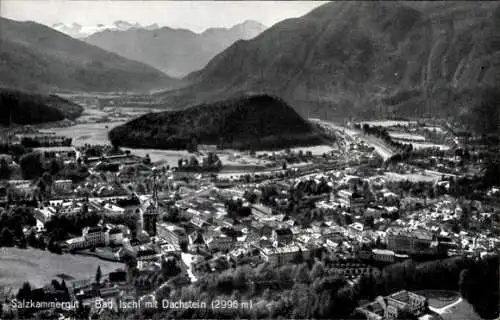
pixel 369 222
pixel 82 312
pixel 318 270
pixel 31 165
pixel 53 246
pixel 6 237
pixel 463 282
pixel 302 274
pixel 22 243
pixel 98 275
pixel 25 292
pixel 54 166
pixel 46 183
pixel 240 278
pixel 5 170
pixel 192 145
pixel 250 196
pixel 32 239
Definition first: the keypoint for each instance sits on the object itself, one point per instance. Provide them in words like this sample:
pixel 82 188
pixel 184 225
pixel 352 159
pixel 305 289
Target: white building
pixel 383 255
pixel 285 254
pixel 353 200
pixel 94 237
pixel 62 186
pixel 171 233
pixel 219 242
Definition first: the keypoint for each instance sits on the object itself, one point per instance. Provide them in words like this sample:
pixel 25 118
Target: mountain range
pixel 35 57
pixel 176 52
pixel 362 58
pixel 78 31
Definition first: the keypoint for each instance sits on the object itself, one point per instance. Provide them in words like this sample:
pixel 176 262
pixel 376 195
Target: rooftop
pixel 418 234
pixel 55 149
pixel 382 251
pixel 401 296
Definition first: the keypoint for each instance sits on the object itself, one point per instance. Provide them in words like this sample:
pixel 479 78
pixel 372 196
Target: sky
pixel 193 15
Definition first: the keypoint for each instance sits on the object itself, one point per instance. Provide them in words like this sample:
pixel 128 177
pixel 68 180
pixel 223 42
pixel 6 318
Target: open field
pixel 432 129
pixel 40 267
pixel 423 145
pixel 389 123
pixel 97 133
pixel 449 305
pixel 439 298
pixel 91 133
pixel 460 311
pixel 315 150
pixel 415 177
pixel 169 156
pixel 407 136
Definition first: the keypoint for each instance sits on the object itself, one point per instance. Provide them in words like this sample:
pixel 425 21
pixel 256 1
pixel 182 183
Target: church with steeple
pixel 150 215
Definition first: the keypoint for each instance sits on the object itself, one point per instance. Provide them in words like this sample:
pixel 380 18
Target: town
pixel 417 197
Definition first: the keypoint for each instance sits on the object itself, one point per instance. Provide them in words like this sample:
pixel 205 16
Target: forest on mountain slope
pixel 20 107
pixel 363 59
pixel 34 57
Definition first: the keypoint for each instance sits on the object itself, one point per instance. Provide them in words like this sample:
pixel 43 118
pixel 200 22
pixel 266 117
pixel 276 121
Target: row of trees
pixel 476 279
pixel 235 209
pixel 382 133
pixel 293 291
pixel 60 227
pixel 34 143
pixel 14 150
pixel 33 166
pixel 14 220
pixel 317 290
pixel 210 163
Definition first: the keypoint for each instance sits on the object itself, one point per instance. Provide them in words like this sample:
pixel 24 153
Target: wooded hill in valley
pixel 250 122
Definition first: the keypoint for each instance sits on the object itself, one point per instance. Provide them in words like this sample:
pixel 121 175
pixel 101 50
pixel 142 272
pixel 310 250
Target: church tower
pixel 150 215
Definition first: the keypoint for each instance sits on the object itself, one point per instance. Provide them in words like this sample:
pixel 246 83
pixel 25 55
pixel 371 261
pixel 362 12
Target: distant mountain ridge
pixel 78 31
pixel 37 58
pixel 364 59
pixel 176 52
pixel 248 122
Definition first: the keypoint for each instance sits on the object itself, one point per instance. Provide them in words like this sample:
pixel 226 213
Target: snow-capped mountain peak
pixel 78 31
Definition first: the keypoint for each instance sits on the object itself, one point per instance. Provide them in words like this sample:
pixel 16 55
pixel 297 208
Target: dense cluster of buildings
pixel 197 222
pixel 96 237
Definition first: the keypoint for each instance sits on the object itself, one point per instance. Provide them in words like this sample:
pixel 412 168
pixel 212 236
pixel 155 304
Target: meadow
pixel 40 267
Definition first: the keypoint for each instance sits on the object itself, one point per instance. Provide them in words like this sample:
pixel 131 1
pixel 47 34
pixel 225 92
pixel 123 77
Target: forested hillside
pixel 19 107
pixel 260 121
